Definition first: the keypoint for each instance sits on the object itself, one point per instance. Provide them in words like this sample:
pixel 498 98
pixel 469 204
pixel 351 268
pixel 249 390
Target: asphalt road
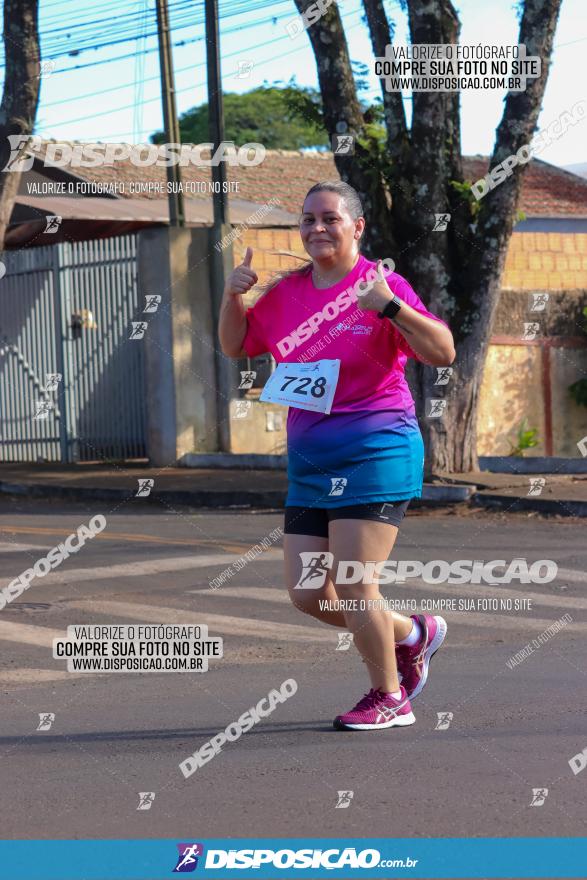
pixel 117 734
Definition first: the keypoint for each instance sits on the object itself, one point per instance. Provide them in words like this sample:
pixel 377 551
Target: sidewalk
pixel 222 487
pixel 561 494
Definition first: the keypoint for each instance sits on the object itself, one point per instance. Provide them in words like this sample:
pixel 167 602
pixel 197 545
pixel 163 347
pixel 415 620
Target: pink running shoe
pixel 377 710
pixel 412 662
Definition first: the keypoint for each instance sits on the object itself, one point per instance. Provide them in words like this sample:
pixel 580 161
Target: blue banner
pixel 271 858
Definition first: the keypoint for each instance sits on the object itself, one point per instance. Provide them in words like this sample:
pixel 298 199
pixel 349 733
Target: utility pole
pixel 171 126
pixel 215 108
pixel 220 259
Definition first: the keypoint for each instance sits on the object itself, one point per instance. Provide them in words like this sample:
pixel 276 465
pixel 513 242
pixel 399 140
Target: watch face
pixel 392 308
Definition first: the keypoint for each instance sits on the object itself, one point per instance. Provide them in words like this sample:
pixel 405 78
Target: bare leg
pixel 309 601
pixel 373 628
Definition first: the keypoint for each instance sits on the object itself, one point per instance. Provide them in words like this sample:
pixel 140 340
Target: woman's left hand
pixel 430 340
pixel 373 292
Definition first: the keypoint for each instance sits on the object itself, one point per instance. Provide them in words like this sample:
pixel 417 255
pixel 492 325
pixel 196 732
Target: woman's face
pixel 328 231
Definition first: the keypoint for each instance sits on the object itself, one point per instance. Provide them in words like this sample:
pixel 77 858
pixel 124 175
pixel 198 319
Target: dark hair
pixel 349 195
pixel 353 204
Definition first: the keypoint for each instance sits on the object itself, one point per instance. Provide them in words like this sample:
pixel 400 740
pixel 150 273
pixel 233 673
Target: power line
pixel 234 10
pixel 178 44
pixel 68 100
pixel 59 39
pixel 139 83
pixel 114 88
pixel 187 20
pixel 83 23
pixel 239 52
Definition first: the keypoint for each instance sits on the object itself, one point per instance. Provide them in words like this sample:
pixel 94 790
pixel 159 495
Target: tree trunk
pixel 21 94
pixel 341 105
pixel 456 272
pixel 479 276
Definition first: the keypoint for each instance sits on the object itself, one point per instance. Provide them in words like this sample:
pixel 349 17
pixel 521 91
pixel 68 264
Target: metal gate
pixel 71 380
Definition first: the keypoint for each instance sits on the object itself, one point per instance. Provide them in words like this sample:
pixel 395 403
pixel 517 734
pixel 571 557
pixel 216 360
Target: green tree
pixel 286 118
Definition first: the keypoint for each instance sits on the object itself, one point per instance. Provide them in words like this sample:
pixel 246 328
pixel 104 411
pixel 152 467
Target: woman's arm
pixel 429 339
pixel 232 324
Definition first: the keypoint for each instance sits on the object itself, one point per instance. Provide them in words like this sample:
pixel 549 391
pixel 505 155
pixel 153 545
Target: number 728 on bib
pixel 306 386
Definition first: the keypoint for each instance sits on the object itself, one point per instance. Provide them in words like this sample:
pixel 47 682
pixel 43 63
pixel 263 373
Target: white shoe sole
pixel 441 629
pixel 398 721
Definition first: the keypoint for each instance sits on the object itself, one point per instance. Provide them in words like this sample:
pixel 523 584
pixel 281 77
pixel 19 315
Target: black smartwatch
pixel 391 309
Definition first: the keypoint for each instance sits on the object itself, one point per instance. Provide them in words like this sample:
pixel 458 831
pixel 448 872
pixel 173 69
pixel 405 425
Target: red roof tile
pixel 548 191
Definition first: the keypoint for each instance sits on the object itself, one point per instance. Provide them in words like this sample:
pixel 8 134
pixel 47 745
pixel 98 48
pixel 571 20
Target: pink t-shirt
pixel 296 321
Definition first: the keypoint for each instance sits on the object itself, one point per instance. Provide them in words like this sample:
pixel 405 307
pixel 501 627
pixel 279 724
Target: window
pixel 262 366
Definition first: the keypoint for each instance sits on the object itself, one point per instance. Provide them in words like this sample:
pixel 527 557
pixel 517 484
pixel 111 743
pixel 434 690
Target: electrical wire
pixel 140 15
pixel 117 27
pixel 157 98
pixel 139 83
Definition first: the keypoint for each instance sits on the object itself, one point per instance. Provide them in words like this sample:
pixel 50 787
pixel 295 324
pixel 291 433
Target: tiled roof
pixel 548 191
pixel 198 212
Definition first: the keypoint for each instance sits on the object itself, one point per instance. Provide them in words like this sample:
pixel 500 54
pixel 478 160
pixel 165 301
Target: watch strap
pixel 391 309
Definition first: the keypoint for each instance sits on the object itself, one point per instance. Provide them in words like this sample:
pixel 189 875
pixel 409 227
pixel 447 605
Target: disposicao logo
pixel 188 857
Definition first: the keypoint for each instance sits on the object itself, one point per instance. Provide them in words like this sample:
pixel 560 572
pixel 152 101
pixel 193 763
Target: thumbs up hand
pixel 374 293
pixel 243 277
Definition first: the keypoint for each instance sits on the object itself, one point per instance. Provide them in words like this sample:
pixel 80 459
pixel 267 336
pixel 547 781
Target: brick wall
pixel 546 261
pixel 535 260
pixel 266 244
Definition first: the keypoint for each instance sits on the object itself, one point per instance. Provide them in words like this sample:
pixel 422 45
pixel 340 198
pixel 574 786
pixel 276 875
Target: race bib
pixel 305 386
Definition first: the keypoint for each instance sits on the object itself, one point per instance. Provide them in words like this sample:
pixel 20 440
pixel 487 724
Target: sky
pixel 119 100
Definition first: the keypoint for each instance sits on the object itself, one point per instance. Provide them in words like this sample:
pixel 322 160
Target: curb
pixel 447 494
pixel 537 464
pixel 233 461
pixel 218 499
pixel 432 495
pixel 538 505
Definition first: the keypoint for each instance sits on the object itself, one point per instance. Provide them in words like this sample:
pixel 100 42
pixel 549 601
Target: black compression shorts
pixel 314 520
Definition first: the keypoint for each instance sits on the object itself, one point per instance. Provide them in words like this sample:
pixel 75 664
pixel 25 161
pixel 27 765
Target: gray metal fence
pixel 71 379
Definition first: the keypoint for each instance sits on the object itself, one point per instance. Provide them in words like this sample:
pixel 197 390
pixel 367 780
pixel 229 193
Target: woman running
pixel 355 452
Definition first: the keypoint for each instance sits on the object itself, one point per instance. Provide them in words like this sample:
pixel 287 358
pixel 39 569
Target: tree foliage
pixel 285 118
